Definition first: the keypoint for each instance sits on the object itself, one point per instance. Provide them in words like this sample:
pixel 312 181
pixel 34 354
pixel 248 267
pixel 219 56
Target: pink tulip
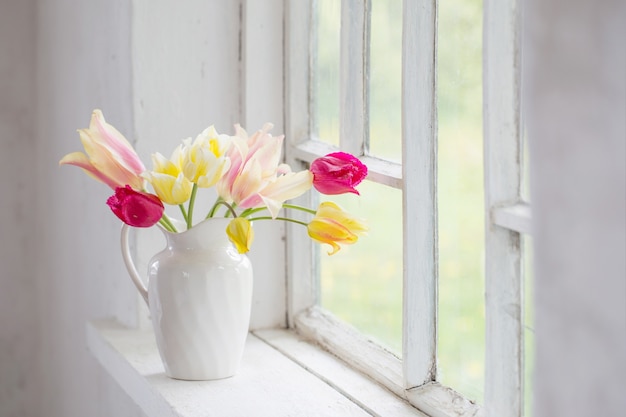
pixel 337 173
pixel 136 208
pixel 259 152
pixel 109 157
pixel 256 177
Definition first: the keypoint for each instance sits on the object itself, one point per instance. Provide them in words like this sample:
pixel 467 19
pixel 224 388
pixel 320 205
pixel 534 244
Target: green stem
pixel 164 225
pixel 231 209
pixel 167 224
pixel 278 218
pixel 250 211
pixel 182 210
pixel 294 207
pixel 214 208
pixel 192 201
pixel 222 203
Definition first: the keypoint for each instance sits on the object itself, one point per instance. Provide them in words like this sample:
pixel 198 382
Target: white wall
pixel 18 291
pixel 575 81
pixel 160 71
pixel 83 62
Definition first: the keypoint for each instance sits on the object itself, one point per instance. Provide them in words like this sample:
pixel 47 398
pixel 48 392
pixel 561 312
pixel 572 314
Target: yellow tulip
pixel 203 161
pixel 332 225
pixel 167 179
pixel 240 232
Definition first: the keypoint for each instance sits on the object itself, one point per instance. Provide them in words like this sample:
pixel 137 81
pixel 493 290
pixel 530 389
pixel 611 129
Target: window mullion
pixel 302 285
pixel 503 302
pixel 354 68
pixel 419 161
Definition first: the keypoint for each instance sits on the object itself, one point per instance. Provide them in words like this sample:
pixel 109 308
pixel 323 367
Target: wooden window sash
pixel 419 196
pixel 506 216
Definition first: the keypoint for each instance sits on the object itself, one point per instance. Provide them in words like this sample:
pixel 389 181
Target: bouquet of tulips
pixel 251 182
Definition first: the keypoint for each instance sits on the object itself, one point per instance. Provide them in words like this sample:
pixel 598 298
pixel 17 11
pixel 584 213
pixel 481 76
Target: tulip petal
pixel 108 157
pixel 285 187
pixel 136 208
pixel 81 160
pixel 240 232
pixel 332 225
pixel 201 165
pixel 107 163
pixel 171 190
pixel 163 165
pixel 247 183
pixel 337 173
pixel 116 143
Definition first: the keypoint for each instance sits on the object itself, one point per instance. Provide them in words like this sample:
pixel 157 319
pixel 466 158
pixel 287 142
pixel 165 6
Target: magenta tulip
pixel 136 208
pixel 337 173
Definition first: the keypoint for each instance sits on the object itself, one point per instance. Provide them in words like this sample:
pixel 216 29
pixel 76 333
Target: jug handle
pixel 130 265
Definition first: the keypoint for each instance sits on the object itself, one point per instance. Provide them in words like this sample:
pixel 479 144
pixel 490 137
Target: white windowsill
pixel 280 375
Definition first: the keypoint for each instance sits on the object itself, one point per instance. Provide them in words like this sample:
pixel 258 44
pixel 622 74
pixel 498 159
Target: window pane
pixel 326 71
pixel 362 283
pixel 461 345
pixel 386 79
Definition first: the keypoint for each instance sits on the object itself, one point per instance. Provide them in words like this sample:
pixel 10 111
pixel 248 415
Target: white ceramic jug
pixel 199 293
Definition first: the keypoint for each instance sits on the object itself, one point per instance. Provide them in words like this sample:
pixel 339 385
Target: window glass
pixel 386 80
pixel 461 318
pixel 326 71
pixel 362 284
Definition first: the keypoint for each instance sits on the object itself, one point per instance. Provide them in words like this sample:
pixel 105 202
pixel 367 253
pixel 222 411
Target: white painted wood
pixel 302 285
pixel 353 76
pixel 420 164
pixel 419 197
pixel 516 217
pixel 503 298
pixel 351 346
pixel 370 359
pixel 383 172
pixel 268 383
pixel 437 400
pixel 197 71
pixel 360 389
pixel 298 45
pixel 262 101
pixel 262 69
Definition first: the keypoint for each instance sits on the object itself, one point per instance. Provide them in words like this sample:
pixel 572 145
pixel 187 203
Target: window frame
pixel 507 216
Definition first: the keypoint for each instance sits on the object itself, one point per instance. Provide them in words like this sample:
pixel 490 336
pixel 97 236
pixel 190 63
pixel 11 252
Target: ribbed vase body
pixel 200 295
